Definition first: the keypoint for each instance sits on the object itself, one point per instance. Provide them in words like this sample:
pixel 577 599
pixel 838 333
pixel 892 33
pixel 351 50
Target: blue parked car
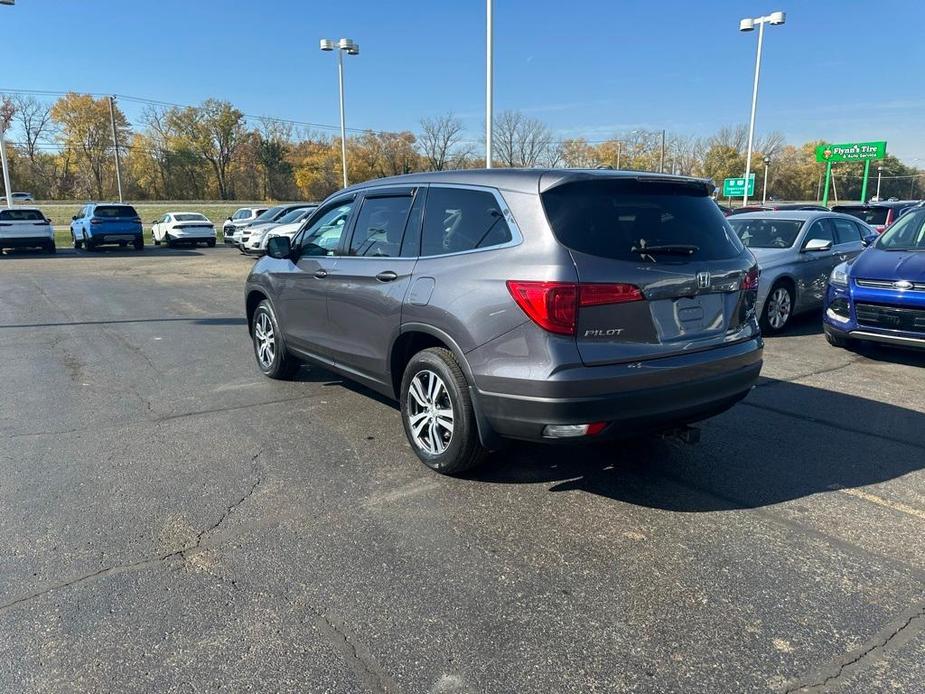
pixel 880 295
pixel 99 223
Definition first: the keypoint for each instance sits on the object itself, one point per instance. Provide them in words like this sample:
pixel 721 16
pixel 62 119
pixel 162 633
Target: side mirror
pixel 279 247
pixel 74 218
pixel 867 240
pixel 817 245
pixel 227 219
pixel 153 221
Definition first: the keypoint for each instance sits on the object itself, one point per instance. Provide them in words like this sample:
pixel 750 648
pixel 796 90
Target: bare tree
pixel 440 141
pixel 521 141
pixel 34 120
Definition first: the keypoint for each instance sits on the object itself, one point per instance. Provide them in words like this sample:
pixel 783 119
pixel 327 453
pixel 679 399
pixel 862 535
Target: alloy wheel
pixel 779 308
pixel 430 412
pixel 265 339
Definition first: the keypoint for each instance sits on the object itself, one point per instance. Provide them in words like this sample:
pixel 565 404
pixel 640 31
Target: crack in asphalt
pixel 900 630
pixel 364 665
pixel 810 374
pixel 181 553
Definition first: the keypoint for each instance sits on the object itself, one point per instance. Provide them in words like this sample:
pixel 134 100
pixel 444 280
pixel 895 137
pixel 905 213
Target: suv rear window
pixel 870 215
pixel 114 211
pixel 610 218
pixel 21 216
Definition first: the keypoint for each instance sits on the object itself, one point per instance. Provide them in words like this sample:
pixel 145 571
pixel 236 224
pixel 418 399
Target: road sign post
pixel 852 151
pixel 735 187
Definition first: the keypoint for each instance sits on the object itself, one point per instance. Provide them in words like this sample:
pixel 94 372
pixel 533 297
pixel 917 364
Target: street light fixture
pixel 748 24
pixel 349 47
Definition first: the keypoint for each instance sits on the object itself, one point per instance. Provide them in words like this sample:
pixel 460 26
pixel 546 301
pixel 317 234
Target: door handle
pixel 387 276
pixel 321 274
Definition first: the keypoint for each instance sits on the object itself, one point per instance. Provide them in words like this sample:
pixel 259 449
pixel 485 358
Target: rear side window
pixel 457 220
pixel 618 219
pixel 380 226
pixel 110 211
pixel 871 215
pixel 21 216
pixel 845 231
pixel 767 233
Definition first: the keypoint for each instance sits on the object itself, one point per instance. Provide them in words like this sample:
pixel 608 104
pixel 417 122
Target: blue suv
pixel 100 223
pixel 880 295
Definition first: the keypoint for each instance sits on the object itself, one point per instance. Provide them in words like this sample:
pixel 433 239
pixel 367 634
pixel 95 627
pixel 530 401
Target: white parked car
pixel 18 197
pixel 241 218
pixel 26 227
pixel 183 227
pixel 287 225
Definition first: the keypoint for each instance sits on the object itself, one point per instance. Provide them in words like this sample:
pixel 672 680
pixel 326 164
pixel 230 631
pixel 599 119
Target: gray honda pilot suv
pixel 545 305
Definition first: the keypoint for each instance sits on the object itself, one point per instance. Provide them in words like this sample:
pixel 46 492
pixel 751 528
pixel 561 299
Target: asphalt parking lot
pixel 170 520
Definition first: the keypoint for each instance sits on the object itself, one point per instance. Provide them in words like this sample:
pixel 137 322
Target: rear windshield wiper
pixel 644 249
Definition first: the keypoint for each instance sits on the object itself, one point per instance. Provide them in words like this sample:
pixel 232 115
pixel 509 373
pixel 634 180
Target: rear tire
pixel 169 241
pixel 273 359
pixel 139 245
pixel 50 248
pixel 211 243
pixel 89 244
pixel 437 413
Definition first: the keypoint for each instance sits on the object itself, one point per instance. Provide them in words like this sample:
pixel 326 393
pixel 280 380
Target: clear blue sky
pixel 840 70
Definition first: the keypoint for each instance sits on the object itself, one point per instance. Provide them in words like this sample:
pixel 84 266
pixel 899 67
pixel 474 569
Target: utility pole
pixel 489 84
pixel 6 116
pixel 115 144
pixel 619 151
pixel 661 162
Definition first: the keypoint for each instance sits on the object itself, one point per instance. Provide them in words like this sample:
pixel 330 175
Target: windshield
pixel 907 234
pixel 269 215
pixel 296 215
pixel 190 217
pixel 15 215
pixel 111 211
pixel 875 216
pixel 766 233
pixel 618 218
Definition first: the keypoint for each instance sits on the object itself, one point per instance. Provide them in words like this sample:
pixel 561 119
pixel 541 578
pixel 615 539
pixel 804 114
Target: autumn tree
pixel 84 128
pixel 521 141
pixel 215 130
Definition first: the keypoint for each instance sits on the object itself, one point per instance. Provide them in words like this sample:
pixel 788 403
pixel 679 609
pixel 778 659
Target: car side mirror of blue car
pixel 279 247
pixel 817 245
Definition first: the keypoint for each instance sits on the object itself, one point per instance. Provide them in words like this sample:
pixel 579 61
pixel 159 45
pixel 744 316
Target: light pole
pixel 747 24
pixel 879 174
pixel 115 144
pixel 764 194
pixel 489 83
pixel 349 47
pixel 661 161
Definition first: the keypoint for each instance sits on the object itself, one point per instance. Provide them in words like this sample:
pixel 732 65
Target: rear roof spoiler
pixel 551 180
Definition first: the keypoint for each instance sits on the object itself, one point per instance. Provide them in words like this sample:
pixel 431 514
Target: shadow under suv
pixel 545 305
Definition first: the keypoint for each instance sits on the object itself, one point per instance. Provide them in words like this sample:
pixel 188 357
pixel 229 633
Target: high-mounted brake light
pixel 554 305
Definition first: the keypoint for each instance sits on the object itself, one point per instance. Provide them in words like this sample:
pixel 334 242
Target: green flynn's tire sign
pixel 853 151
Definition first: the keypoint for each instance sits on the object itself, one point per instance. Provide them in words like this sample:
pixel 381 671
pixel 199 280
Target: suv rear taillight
pixel 750 281
pixel 95 220
pixel 554 305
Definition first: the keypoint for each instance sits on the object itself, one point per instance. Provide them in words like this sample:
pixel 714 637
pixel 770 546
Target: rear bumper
pixel 100 237
pixel 633 399
pixel 26 241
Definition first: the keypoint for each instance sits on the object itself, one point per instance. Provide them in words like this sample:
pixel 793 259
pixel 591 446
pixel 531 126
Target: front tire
pixel 273 359
pixel 778 308
pixel 437 413
pixel 77 244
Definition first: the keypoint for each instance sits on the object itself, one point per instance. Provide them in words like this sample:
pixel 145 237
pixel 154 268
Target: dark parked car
pixel 544 305
pixel 879 215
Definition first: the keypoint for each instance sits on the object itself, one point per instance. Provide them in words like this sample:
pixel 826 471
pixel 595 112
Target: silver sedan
pixel 796 251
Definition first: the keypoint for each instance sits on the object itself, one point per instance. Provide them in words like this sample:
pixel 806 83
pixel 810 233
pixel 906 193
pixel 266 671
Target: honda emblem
pixel 703 280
